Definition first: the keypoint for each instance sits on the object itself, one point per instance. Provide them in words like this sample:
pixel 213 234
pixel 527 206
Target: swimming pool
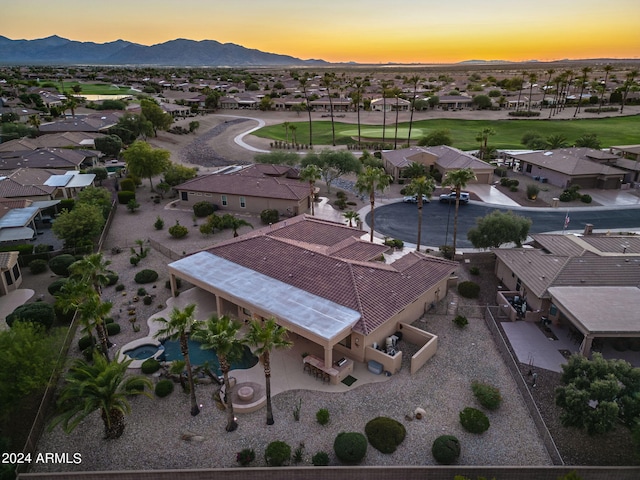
pixel 198 356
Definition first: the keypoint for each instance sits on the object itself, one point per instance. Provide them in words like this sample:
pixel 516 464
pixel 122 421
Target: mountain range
pixel 56 50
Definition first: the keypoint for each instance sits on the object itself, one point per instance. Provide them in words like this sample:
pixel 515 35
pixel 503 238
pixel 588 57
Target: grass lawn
pixel 97 88
pixel 610 131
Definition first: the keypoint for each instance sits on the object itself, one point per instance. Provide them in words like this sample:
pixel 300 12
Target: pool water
pixel 142 352
pixel 198 356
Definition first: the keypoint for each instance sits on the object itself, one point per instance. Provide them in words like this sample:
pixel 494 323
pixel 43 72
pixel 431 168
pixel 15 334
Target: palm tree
pixel 524 74
pixel 628 83
pixel 556 98
pixel 286 131
pixel 220 334
pixel 414 80
pixel 483 138
pixel 458 179
pixel 549 72
pixel 352 217
pixel 607 69
pixel 420 186
pixel 583 81
pixel 304 82
pixel 234 223
pixel 369 181
pixel 384 84
pixel 92 268
pixel 568 80
pixel 34 120
pixel 70 104
pixel 266 336
pixel 396 93
pixel 532 79
pixel 181 325
pixel 556 141
pixel 293 129
pixel 328 82
pixel 102 386
pixel 414 170
pixel 356 98
pixel 311 173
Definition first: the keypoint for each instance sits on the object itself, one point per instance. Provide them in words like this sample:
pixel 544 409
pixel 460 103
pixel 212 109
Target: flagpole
pixel 566 222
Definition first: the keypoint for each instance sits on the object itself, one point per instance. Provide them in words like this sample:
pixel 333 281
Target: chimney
pixel 588 229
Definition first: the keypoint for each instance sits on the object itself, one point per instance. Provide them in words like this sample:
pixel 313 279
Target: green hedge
pixel 385 434
pixel 473 420
pixel 146 276
pixel 60 264
pixel 350 447
pixel 446 449
pixel 124 196
pixel 164 388
pixel 38 266
pixel 37 312
pixel 469 289
pixel 113 328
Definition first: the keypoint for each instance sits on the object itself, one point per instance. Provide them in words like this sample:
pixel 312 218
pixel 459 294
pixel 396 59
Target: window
pixel 184 196
pixel 223 198
pixel 243 202
pixel 16 272
pixel 8 277
pixel 528 168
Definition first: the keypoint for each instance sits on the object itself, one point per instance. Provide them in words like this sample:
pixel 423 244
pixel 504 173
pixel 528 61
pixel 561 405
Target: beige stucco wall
pixel 417 336
pixel 252 204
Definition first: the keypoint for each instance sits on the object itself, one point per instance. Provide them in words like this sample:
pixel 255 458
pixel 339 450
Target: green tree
pixel 311 173
pixel 99 386
pixel 557 141
pixel 351 216
pixel 78 227
pixel 356 98
pixel 304 83
pixel 265 336
pixel 328 81
pixel 384 89
pixel 588 140
pixel 234 223
pixel 277 157
pixel 629 82
pixel 481 102
pixel 498 228
pixel 533 78
pixel 607 70
pixel 266 103
pixel 97 196
pixel 175 174
pixel 333 164
pixel 181 325
pixel 93 269
pixel 220 334
pixel 100 173
pixel 521 83
pixel 598 394
pixel 110 145
pixel 370 180
pixel 145 161
pixel 154 113
pixel 436 138
pixel 458 179
pixel 420 186
pixel 583 83
pixel 414 170
pixel 132 126
pixel 414 80
pixel 483 138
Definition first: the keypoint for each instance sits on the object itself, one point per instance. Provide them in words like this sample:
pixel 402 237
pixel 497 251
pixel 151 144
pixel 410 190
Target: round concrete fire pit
pixel 245 393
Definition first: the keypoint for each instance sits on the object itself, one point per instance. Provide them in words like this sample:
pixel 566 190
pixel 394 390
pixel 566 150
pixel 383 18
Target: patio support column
pixel 328 356
pixel 172 281
pixel 585 346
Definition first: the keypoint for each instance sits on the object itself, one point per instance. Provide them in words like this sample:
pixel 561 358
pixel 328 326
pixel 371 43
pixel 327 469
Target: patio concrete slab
pixel 533 347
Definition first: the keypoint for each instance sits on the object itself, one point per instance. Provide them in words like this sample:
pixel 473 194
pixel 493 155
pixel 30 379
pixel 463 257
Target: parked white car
pixel 414 199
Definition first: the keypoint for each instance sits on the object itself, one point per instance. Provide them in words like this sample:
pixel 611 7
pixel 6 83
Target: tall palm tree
pixel 458 179
pixel 370 180
pixel 34 120
pixel 583 81
pixel 607 69
pixel 532 79
pixel 234 223
pixel 568 81
pixel 483 138
pixel 384 85
pixel 396 93
pixel 311 173
pixel 102 386
pixel 356 97
pixel 628 83
pixel 181 325
pixel 328 81
pixel 304 83
pixel 293 129
pixel 92 268
pixel 556 98
pixel 352 217
pixel 286 131
pixel 220 334
pixel 524 74
pixel 414 81
pixel 414 170
pixel 266 336
pixel 549 72
pixel 420 186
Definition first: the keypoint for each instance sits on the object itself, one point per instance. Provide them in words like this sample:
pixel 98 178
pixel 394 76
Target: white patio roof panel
pixel 18 217
pixel 16 233
pixel 312 313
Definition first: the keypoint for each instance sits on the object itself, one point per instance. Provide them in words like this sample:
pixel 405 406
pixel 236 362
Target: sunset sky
pixel 364 31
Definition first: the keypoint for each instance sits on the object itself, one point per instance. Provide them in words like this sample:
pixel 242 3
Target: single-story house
pixel 324 104
pixel 443 158
pixel 56 158
pixel 390 104
pixel 43 184
pixel 320 281
pixel 10 275
pixel 565 167
pixel 253 188
pixel 454 101
pixel 82 140
pixel 589 282
pixel 100 122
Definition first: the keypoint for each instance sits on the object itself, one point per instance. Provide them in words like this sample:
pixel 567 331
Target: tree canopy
pixel 132 126
pixel 110 145
pixel 498 228
pixel 278 157
pixel 154 113
pixel 146 161
pixel 435 138
pixel 176 174
pixel 78 227
pixel 333 164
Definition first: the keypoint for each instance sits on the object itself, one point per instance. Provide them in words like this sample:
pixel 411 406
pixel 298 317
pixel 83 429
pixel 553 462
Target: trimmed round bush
pixel 85 342
pixel 350 447
pixel 164 388
pixel 277 454
pixel 147 299
pixel 109 320
pixel 120 287
pixel 146 276
pixel 128 185
pixel 322 416
pixel 38 266
pixel 178 231
pixel 488 395
pixel 150 365
pixel 113 328
pixel 125 196
pixel 269 215
pixel 60 264
pixel 473 420
pixel 385 434
pixel 446 449
pixel 112 278
pixel 37 312
pixel 469 289
pixel 142 291
pixel 586 198
pixel 55 286
pixel 320 459
pixel 204 209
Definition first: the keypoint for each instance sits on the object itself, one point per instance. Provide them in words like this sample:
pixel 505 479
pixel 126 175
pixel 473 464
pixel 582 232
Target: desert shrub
pixel 341 203
pixel 125 196
pixel 113 329
pixel 277 454
pixel 447 251
pixel 385 434
pixel 147 299
pixel 341 195
pixel 469 289
pixel 37 312
pixel 488 395
pixel 127 185
pixel 85 342
pixel 141 292
pixel 55 286
pixel 38 266
pixel 461 321
pixel 586 198
pixel 350 447
pixel 109 320
pixel 474 270
pixel 164 388
pixel 203 209
pixel 134 260
pixel 500 172
pixel 473 420
pixel 112 278
pixel 146 276
pixel 120 287
pixel 150 365
pixel 158 224
pixel 269 215
pixel 178 231
pixel 513 188
pixel 320 459
pixel 532 191
pixel 446 449
pixel 565 196
pixel 60 264
pixel 245 456
pixel 322 416
pixel 42 248
pixel 394 242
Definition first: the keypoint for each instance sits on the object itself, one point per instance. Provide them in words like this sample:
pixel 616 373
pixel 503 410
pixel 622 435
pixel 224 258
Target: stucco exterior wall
pixel 251 204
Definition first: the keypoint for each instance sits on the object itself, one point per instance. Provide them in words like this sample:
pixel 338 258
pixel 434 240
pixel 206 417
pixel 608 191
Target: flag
pixel 566 220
